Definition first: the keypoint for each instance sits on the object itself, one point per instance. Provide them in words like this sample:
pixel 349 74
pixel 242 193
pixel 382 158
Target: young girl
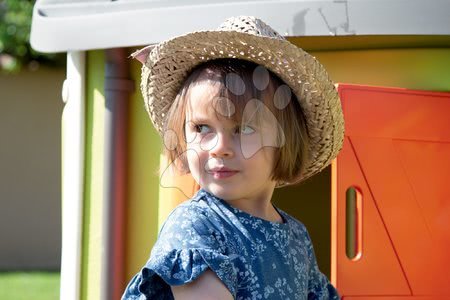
pixel 244 111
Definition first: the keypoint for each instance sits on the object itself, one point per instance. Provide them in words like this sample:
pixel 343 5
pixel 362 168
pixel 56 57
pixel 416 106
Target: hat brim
pixel 169 63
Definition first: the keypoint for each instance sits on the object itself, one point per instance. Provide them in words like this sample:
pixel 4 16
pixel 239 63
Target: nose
pixel 224 146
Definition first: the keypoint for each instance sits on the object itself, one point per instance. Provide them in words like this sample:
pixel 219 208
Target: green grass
pixel 29 285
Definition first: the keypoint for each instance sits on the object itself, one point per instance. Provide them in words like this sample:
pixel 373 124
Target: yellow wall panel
pixel 144 147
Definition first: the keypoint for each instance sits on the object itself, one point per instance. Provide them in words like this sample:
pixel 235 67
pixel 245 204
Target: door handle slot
pixel 353 224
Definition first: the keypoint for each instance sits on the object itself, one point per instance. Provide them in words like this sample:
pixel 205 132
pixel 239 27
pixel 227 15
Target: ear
pixel 142 54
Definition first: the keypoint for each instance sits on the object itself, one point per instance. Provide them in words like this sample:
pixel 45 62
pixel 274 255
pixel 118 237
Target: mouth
pixel 222 172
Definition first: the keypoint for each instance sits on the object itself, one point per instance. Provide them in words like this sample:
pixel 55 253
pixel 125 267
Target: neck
pixel 259 206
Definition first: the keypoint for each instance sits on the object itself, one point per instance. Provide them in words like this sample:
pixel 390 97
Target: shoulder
pixel 294 222
pixel 194 212
pixel 298 229
pixel 200 203
pixel 301 235
pixel 197 222
pixel 188 244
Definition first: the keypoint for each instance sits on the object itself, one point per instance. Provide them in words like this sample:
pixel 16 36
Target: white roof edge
pixel 61 26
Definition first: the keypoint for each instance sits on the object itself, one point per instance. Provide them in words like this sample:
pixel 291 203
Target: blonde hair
pixel 289 158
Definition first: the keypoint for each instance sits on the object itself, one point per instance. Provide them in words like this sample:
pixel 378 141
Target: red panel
pixel 431 197
pixel 378 271
pixel 397 152
pixel 418 253
pixel 395 113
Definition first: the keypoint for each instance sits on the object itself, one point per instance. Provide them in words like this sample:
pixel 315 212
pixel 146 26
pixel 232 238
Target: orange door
pixel 391 202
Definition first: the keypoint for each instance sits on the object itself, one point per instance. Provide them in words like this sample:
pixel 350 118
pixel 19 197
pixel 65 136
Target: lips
pixel 221 169
pixel 222 172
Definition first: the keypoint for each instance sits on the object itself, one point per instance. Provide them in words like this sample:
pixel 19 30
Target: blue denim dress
pixel 253 257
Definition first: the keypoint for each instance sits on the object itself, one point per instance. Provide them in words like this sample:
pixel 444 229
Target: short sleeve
pixel 187 245
pixel 319 287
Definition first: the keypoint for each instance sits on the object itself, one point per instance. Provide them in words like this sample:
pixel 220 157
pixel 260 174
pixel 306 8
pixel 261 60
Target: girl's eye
pixel 246 129
pixel 202 128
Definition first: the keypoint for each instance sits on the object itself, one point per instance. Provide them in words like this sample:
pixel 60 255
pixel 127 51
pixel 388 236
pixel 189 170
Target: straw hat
pixel 167 64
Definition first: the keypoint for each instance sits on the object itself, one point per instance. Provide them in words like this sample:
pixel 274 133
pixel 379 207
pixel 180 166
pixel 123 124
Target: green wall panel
pixel 93 185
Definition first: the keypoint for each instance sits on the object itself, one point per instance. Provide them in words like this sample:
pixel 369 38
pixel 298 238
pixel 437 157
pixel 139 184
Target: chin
pixel 223 192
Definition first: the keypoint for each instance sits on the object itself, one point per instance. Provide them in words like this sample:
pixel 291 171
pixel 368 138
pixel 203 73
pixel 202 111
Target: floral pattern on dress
pixel 253 257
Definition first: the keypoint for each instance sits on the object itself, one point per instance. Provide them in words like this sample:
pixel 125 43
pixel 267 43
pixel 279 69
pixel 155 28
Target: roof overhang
pixel 72 25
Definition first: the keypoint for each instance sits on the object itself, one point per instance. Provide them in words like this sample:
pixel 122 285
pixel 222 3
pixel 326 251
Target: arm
pixel 207 286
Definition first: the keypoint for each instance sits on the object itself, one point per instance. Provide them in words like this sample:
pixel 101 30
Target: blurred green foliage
pixel 15 50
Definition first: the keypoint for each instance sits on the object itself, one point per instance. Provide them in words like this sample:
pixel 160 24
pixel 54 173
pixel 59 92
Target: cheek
pixel 193 163
pixel 196 159
pixel 192 159
pixel 190 136
pixel 262 161
pixel 250 145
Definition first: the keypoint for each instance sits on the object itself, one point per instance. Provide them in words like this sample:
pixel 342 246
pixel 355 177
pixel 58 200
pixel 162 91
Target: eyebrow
pixel 198 119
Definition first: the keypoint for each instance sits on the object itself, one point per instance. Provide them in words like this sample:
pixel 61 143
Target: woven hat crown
pixel 249 25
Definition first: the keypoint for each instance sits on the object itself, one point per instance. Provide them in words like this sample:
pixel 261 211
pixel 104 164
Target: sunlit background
pixel 30 139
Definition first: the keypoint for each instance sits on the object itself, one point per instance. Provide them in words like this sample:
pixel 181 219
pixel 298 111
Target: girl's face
pixel 232 161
